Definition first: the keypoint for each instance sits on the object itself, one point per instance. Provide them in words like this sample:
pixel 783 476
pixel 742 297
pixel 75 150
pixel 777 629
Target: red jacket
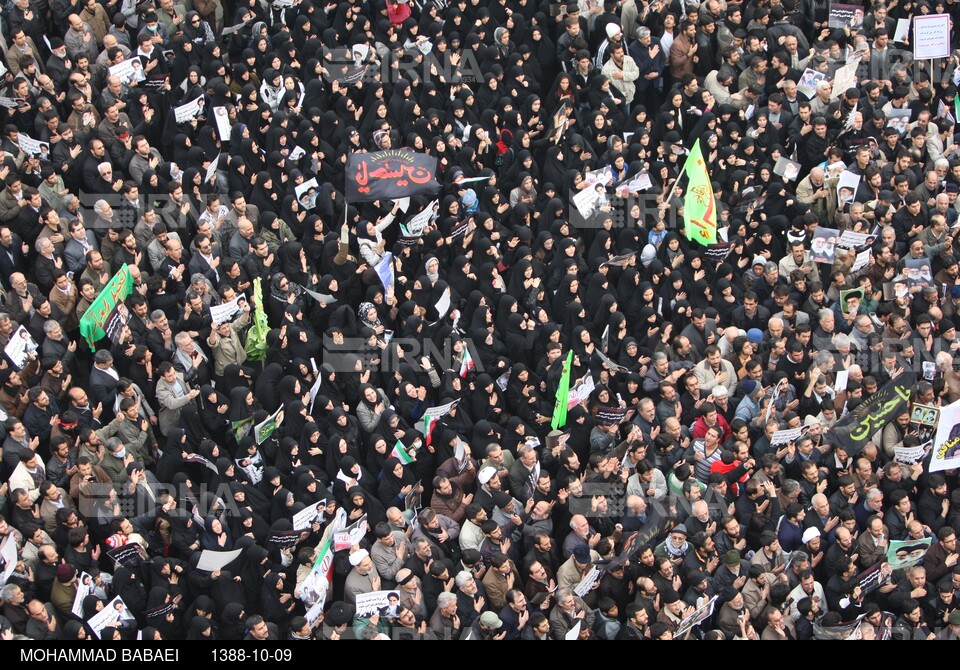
pixel 398 12
pixel 700 428
pixel 723 469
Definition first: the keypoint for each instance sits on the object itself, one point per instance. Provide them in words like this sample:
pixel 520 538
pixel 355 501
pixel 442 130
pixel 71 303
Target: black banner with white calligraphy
pixel 853 431
pixel 610 416
pixel 389 175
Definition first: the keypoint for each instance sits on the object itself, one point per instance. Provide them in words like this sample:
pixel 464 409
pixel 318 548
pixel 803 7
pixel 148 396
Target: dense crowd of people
pixel 130 462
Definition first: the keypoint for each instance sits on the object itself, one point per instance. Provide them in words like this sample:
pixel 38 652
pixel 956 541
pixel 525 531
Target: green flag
pixel 242 427
pixel 257 335
pixel 94 321
pixel 563 392
pixel 266 428
pixel 956 107
pixel 699 207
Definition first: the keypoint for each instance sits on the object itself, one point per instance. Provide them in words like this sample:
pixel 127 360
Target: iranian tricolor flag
pixel 428 423
pixel 467 364
pixel 317 583
pixel 432 416
pixel 400 453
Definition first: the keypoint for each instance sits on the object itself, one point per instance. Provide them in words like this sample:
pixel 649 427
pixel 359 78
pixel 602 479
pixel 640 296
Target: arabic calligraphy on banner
pixel 946 452
pixel 853 431
pixel 390 175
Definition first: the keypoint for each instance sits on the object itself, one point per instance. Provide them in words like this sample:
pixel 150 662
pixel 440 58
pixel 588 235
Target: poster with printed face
pixel 787 168
pixel 873 578
pixel 225 312
pixel 222 119
pixel 946 444
pixel 115 613
pixel 118 318
pixel 374 602
pixel 851 240
pixel 808 82
pixel 845 16
pixel 297 153
pixel 906 553
pixel 19 348
pixel 823 243
pixel 602 176
pixel 557 438
pixel 32 147
pixel 265 429
pixel 8 554
pixel 85 587
pixel 351 535
pixel 847 306
pixel 416 225
pixel 639 183
pixel 188 111
pixel 847 188
pixel 924 415
pixel 910 455
pixel 413 501
pixel 581 392
pixel 918 272
pixel 307 193
pixel 899 119
pixel 592 200
pixel 896 290
pixel 703 612
pixel 306 517
pixel 128 71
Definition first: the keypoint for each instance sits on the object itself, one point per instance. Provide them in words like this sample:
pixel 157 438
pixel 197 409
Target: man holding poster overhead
pixel 224 342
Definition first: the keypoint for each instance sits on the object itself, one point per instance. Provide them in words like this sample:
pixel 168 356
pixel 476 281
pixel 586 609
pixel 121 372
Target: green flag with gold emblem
pixel 699 206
